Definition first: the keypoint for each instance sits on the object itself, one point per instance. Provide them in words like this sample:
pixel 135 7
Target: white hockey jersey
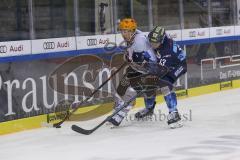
pixel 140 44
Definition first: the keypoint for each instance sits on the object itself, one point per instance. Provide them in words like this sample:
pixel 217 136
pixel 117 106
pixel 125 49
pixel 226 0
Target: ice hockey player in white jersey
pixel 138 48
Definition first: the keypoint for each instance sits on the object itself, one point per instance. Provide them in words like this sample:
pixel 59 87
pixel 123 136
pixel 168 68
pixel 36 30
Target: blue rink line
pixel 96 51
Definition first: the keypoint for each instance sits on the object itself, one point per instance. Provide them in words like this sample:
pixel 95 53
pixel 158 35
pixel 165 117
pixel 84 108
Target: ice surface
pixel 211 131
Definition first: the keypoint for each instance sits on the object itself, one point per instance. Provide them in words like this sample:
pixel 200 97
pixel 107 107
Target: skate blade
pixel 146 118
pixel 176 125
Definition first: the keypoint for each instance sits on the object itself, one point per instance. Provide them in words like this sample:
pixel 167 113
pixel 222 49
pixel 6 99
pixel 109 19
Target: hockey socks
pixel 148 110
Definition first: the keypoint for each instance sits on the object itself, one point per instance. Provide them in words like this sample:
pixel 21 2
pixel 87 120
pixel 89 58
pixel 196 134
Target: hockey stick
pixel 87 132
pixel 58 125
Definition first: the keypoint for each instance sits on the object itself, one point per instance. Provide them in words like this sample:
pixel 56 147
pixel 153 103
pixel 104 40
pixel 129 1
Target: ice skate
pixel 174 120
pixel 145 113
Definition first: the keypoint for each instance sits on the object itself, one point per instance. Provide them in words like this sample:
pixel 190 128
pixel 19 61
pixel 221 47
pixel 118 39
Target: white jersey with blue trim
pixel 140 43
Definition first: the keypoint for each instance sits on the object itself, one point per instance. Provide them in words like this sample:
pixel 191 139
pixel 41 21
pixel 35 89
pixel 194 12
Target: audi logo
pixel 48 45
pixel 3 49
pixel 192 34
pixel 219 31
pixel 91 42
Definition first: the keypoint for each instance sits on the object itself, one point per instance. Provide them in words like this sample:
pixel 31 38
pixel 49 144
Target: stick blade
pixel 57 125
pixel 81 130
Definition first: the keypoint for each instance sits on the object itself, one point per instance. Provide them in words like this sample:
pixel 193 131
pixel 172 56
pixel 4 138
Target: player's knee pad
pixel 130 92
pixel 119 100
pixel 166 90
pixel 118 105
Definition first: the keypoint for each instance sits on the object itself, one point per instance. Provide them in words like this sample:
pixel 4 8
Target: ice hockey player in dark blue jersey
pixel 173 57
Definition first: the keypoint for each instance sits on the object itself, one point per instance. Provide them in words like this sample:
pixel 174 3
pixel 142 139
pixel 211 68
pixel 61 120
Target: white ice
pixel 211 132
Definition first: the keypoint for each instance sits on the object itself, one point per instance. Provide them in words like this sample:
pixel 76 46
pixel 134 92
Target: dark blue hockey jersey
pixel 170 54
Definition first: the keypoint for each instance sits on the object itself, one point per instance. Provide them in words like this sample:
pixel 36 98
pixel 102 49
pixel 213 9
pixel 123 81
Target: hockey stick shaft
pixel 87 132
pixel 85 100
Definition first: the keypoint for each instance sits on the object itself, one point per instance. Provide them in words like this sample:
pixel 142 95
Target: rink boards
pixel 20 54
pixel 37 121
pixel 57 47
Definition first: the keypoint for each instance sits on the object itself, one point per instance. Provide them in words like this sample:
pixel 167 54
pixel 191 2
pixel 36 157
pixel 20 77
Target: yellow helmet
pixel 128 24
